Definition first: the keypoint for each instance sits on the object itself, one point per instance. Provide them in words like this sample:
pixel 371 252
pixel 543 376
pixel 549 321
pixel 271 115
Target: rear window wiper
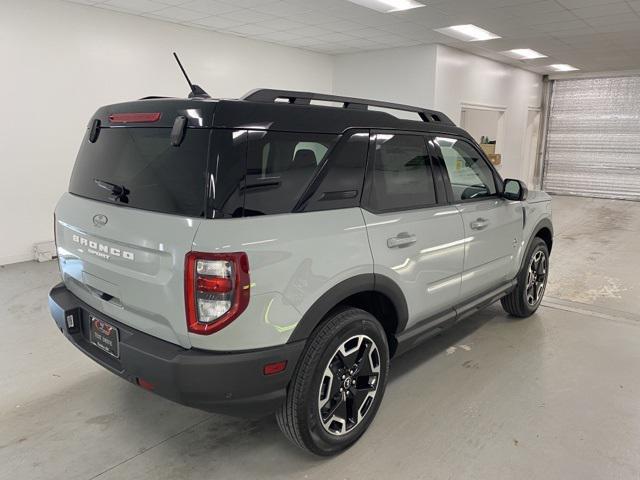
pixel 118 192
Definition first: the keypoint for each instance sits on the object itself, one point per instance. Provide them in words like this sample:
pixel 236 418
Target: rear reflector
pixel 145 384
pixel 134 117
pixel 273 368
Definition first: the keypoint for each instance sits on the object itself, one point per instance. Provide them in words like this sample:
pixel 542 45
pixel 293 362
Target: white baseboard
pixel 9 259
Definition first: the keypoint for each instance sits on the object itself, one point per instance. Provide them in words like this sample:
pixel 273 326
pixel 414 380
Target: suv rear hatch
pixel 134 205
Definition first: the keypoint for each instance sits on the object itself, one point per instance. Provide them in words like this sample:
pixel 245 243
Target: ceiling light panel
pixel 468 33
pixel 386 6
pixel 563 67
pixel 524 54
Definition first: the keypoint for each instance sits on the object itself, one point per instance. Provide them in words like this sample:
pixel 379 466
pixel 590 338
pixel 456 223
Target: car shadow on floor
pixel 425 351
pixel 219 435
pixel 150 437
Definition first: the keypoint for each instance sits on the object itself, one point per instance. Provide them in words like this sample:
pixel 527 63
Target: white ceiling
pixel 593 35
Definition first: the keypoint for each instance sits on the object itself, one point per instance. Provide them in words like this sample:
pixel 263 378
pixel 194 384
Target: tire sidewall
pixel 326 443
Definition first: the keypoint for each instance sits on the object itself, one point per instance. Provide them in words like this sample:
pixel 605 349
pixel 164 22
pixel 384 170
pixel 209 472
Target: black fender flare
pixel 544 223
pixel 366 282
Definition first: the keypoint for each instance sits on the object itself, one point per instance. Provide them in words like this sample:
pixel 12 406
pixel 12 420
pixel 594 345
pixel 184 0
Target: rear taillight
pixel 216 289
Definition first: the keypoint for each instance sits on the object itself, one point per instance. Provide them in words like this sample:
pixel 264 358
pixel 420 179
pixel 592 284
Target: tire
pixel 316 415
pixel 525 299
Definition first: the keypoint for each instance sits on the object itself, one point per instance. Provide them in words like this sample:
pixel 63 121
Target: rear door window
pixel 139 168
pixel 280 166
pixel 401 175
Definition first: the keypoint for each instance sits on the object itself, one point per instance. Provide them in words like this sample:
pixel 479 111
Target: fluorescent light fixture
pixel 386 6
pixel 524 54
pixel 563 67
pixel 468 33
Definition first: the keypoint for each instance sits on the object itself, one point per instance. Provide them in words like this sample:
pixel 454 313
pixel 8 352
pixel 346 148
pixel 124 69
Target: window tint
pixel 280 165
pixel 402 176
pixel 470 175
pixel 341 179
pixel 139 168
pixel 227 169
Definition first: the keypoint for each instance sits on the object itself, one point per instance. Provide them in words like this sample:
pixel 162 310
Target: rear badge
pixel 100 220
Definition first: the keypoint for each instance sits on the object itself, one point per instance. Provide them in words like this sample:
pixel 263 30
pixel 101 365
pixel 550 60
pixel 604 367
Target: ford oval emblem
pixel 100 220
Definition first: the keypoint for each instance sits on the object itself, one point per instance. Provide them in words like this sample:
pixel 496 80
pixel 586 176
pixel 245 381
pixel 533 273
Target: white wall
pixel 436 76
pixel 60 61
pixel 465 78
pixel 401 75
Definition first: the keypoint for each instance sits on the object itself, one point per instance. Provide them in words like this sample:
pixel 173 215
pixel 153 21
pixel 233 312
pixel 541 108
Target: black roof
pixel 287 111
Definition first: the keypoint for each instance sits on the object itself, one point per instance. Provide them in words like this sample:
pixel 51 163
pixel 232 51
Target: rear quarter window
pixel 280 166
pixel 156 175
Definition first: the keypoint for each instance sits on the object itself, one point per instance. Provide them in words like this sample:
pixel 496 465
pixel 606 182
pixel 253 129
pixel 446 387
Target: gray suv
pixel 273 253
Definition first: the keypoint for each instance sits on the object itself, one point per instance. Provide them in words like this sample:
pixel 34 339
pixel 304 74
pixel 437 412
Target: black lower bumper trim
pixel 224 382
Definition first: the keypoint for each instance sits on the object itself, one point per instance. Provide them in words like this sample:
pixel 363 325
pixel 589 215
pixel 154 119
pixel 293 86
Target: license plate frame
pixel 104 336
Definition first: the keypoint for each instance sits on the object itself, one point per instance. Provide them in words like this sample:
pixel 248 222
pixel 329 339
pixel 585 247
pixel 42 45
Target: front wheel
pixel 338 385
pixel 525 299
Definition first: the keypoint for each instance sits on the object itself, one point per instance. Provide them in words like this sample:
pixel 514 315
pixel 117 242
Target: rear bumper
pixel 223 382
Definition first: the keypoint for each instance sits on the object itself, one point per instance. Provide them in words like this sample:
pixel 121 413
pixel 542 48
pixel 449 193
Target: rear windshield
pixel 139 168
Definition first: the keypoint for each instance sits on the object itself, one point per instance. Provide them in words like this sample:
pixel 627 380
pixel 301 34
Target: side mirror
pixel 515 190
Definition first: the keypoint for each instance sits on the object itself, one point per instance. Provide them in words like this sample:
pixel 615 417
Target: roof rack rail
pixel 268 95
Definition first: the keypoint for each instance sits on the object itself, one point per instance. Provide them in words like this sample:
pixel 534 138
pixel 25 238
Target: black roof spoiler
pixel 267 95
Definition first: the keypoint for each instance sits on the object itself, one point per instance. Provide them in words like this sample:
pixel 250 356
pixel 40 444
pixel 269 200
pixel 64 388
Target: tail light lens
pixel 217 290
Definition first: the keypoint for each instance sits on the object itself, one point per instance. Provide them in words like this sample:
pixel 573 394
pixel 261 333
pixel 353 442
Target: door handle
pixel 480 224
pixel 403 239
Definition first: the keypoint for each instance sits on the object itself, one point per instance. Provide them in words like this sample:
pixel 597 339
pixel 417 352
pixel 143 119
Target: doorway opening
pixel 485 123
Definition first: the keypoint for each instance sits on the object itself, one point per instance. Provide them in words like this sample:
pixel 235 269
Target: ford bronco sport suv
pixel 273 253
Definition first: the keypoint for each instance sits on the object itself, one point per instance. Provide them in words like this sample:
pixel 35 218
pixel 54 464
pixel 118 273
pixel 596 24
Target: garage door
pixel 593 142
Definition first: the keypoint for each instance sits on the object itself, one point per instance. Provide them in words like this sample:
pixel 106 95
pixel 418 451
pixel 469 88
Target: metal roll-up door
pixel 593 138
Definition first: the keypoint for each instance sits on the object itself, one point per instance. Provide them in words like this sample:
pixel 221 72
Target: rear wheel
pixel 338 385
pixel 525 299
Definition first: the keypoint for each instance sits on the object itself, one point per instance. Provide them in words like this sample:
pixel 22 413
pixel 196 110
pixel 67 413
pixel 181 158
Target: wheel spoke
pixel 338 404
pixel 530 289
pixel 338 362
pixel 355 402
pixel 362 366
pixel 366 383
pixel 352 410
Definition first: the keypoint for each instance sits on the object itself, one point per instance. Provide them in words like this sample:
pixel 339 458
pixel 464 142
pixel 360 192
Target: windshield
pixel 139 168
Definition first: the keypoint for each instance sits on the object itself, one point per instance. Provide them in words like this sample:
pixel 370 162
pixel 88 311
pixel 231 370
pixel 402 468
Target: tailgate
pixel 127 263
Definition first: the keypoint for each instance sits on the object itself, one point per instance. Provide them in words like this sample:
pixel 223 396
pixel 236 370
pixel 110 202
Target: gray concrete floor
pixel 554 396
pixel 596 257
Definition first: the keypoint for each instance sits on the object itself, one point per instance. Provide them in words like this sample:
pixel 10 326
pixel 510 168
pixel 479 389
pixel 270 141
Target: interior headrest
pixel 304 158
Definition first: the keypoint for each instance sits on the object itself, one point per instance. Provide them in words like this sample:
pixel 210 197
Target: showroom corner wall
pixel 60 61
pixel 401 75
pixel 445 78
pixel 464 78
